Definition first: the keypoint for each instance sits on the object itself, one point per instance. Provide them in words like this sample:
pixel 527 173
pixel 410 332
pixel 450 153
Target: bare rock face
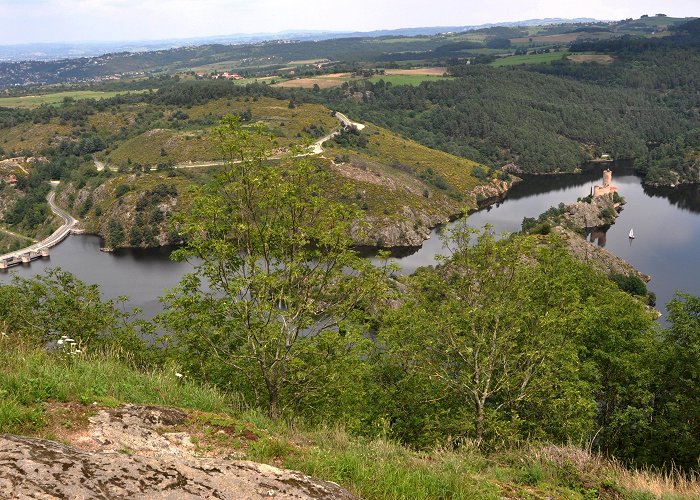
pixel 600 258
pixel 127 452
pixel 597 213
pixel 411 229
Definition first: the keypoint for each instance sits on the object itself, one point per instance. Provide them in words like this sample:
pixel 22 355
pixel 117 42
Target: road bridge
pixel 41 249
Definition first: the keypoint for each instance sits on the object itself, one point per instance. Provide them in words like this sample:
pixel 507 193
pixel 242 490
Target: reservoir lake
pixel 666 225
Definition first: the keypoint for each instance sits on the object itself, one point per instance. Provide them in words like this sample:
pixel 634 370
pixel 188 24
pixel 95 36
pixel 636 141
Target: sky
pixel 34 21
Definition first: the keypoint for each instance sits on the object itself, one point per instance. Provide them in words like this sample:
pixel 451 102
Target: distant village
pixel 218 76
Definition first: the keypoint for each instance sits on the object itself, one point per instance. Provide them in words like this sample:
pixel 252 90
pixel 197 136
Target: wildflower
pixel 179 375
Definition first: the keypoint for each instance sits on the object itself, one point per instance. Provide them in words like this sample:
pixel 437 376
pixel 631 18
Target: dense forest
pixel 497 116
pixel 648 96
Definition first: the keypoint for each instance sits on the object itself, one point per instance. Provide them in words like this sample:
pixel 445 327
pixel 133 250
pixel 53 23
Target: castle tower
pixel 607 186
pixel 607 177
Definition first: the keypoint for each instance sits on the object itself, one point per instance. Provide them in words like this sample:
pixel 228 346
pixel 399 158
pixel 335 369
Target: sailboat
pixel 631 234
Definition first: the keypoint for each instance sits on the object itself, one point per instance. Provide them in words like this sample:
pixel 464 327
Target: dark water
pixel 666 225
pixel 142 275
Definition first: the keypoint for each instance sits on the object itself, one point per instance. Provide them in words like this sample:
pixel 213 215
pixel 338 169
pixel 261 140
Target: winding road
pixel 315 149
pixel 56 237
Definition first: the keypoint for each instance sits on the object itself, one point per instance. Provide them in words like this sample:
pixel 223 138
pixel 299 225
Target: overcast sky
pixel 27 21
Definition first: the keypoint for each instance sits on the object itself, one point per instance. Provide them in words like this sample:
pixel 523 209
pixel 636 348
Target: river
pixel 666 225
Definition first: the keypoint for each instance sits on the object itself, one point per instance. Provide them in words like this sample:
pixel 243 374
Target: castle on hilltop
pixel 607 187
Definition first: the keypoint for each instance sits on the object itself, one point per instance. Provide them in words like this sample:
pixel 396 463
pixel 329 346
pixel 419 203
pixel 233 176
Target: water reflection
pixel 684 197
pixel 141 275
pixel 599 236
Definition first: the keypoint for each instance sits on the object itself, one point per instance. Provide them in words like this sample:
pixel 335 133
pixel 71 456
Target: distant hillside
pixel 58 51
pixel 264 55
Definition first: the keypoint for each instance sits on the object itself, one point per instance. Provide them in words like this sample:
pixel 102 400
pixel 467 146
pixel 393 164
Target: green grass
pixel 529 59
pixel 40 390
pixel 288 125
pixel 10 242
pixel 377 468
pixel 408 79
pixel 34 101
pixel 31 376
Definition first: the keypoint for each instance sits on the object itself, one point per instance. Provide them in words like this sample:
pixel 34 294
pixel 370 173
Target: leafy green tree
pixel 675 436
pixel 115 233
pixel 44 308
pixel 276 280
pixel 488 329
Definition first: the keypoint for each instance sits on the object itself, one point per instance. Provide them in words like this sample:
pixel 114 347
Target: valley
pixel 454 262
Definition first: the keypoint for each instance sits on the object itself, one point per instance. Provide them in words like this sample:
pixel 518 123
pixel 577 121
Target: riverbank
pixel 412 228
pixel 589 217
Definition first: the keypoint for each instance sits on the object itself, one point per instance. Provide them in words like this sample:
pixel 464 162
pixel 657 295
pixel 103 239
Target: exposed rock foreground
pixel 152 464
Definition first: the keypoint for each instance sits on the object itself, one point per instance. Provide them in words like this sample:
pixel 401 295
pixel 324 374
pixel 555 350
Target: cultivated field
pixel 563 38
pixel 34 101
pixel 599 58
pixel 417 71
pixel 410 79
pixel 308 83
pixel 528 59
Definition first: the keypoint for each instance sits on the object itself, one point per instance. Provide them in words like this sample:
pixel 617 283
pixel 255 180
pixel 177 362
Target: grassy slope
pixel 407 79
pixel 286 124
pixel 50 396
pixel 10 242
pixel 383 176
pixel 30 136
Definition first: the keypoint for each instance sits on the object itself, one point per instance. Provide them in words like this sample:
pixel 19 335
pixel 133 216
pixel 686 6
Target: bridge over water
pixel 41 249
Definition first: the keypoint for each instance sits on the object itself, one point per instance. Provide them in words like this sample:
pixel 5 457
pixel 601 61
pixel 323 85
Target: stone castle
pixel 607 187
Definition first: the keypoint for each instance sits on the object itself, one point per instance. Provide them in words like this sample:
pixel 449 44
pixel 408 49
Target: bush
pixel 630 284
pixel 121 190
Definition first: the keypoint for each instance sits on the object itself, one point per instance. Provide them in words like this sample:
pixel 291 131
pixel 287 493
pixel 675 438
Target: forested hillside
pixel 501 115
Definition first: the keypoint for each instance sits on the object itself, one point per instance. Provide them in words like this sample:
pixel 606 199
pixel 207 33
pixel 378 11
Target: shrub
pixel 630 284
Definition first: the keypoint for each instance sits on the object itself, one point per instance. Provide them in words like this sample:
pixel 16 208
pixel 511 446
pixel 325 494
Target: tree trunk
pixel 273 402
pixel 479 422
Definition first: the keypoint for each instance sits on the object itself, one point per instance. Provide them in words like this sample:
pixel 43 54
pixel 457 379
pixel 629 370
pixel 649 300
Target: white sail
pixel 631 233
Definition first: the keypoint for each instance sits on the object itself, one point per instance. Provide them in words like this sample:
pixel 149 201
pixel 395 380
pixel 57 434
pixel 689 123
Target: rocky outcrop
pixel 411 229
pixel 601 211
pixel 20 164
pixel 512 168
pixel 597 257
pixel 487 194
pixel 133 455
pixel 141 215
pixel 413 226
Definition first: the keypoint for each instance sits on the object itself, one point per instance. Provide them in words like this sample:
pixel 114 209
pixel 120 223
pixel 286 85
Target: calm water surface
pixel 666 225
pixel 142 275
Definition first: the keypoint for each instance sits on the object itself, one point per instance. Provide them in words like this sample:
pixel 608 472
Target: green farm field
pixel 407 79
pixel 529 59
pixel 34 101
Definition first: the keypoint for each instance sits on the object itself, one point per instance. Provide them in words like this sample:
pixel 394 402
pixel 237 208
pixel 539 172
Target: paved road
pixel 347 122
pixel 56 237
